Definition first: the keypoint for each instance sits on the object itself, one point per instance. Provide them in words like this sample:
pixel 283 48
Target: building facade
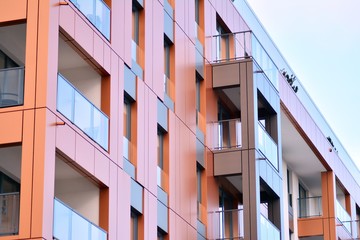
pixel 161 119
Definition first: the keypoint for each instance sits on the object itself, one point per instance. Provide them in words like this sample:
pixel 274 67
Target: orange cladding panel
pixel 14 10
pixel 11 127
pixel 310 227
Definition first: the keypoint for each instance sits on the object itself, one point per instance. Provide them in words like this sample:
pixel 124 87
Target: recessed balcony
pixel 83 113
pixel 81 94
pixel 78 203
pixel 97 12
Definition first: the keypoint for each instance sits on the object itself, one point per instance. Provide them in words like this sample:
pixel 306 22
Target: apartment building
pixel 161 119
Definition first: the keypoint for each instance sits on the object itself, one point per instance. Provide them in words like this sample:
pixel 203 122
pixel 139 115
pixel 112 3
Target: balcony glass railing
pixel 80 111
pixel 310 207
pixel 227 224
pixel 9 217
pixel 343 216
pixel 11 86
pixel 226 134
pixel 240 45
pixel 97 12
pixel 69 225
pixel 268 230
pixel 267 146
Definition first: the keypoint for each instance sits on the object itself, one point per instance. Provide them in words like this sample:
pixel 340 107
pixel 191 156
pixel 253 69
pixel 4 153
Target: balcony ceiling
pixel 300 158
pixel 13 42
pixel 10 161
pixel 69 58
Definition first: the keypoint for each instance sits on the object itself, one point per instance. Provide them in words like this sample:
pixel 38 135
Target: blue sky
pixel 320 40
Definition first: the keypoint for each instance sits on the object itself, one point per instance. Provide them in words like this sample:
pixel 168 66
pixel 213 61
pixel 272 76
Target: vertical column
pixel 251 183
pixel 328 204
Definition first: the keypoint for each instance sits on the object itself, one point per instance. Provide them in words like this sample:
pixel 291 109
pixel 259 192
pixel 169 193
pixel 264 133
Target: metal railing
pixel 267 146
pixel 70 225
pixel 12 86
pixel 226 134
pixel 9 215
pixel 80 111
pixel 226 224
pixel 310 207
pixel 241 45
pixel 268 231
pixel 97 12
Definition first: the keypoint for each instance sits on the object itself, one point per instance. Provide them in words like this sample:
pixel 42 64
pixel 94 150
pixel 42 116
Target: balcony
pixel 80 111
pixel 226 225
pixel 226 143
pixel 12 86
pixel 68 224
pixel 232 47
pixel 226 134
pixel 9 218
pixel 310 207
pixel 268 230
pixel 97 12
pixel 267 146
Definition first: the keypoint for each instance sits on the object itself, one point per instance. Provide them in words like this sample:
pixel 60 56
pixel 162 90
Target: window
pixel 199 183
pixel 289 187
pixel 199 118
pixel 137 38
pixel 160 235
pixel 226 215
pixel 135 24
pixel 167 66
pixel 160 149
pixel 302 201
pixel 127 119
pixel 197 12
pixel 134 226
pixel 198 94
pixel 222 43
pixel 161 176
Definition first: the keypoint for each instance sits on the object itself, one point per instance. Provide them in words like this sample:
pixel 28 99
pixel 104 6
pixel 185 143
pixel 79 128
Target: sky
pixel 320 39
